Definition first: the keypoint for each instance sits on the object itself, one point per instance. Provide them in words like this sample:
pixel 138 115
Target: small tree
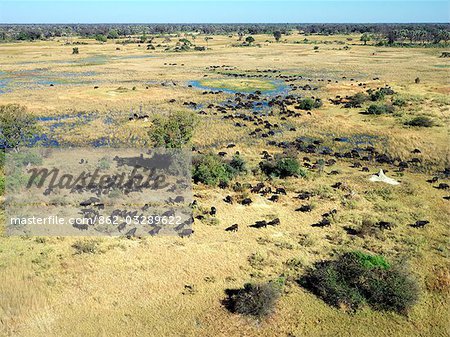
pixel 249 39
pixel 173 131
pixel 282 166
pixel 113 34
pixel 101 38
pixel 186 41
pixel 365 38
pixel 75 50
pixel 211 170
pixel 207 38
pixel 277 35
pixel 17 126
pixel 392 36
pixel 309 104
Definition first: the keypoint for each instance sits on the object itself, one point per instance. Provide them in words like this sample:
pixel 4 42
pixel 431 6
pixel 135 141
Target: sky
pixel 231 11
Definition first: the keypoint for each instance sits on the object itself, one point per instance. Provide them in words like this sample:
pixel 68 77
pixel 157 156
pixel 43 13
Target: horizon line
pixel 223 23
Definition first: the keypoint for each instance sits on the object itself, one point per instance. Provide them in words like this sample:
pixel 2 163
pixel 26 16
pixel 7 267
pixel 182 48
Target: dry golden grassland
pixel 137 287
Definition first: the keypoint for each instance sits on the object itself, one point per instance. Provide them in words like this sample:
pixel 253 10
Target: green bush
pixel 256 300
pixel 421 121
pixel 101 38
pixel 17 126
pixel 400 102
pixel 392 289
pixel 210 169
pixel 306 104
pixel 249 39
pixel 356 278
pixel 25 157
pixel 309 104
pixel 379 109
pixel 287 167
pixel 357 100
pixel 378 95
pixel 328 283
pixel 282 167
pixel 15 182
pixel 113 34
pixel 173 131
pixel 238 164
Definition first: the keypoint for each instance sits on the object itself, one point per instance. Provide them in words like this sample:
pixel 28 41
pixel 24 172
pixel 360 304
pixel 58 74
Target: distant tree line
pixel 384 33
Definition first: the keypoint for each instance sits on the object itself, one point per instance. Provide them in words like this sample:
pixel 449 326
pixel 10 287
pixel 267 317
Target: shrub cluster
pixel 400 102
pixel 378 95
pixel 183 45
pixel 173 131
pixel 101 38
pixel 25 157
pixel 379 109
pixel 256 300
pixel 309 104
pixel 282 167
pixel 357 100
pixel 356 278
pixel 210 169
pixel 238 164
pixel 422 121
pixel 17 126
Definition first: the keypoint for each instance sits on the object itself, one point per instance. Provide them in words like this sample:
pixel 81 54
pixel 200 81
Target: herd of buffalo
pixel 254 111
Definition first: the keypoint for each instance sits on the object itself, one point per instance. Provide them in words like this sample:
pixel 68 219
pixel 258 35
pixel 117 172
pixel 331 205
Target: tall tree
pixel 365 38
pixel 277 35
pixel 249 39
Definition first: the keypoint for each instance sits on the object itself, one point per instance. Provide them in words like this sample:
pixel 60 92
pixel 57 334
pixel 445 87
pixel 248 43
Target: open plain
pixel 251 97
